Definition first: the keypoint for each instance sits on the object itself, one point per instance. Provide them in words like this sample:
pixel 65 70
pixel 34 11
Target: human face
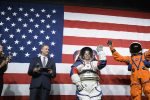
pixel 87 55
pixel 45 51
pixel 1 48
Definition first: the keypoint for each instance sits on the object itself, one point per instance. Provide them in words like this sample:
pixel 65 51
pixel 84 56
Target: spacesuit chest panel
pixel 137 63
pixel 88 71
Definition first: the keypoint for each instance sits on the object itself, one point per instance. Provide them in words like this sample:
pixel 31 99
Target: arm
pixel 116 55
pixel 75 78
pixel 102 57
pixel 51 71
pixel 147 54
pixel 4 63
pixel 33 71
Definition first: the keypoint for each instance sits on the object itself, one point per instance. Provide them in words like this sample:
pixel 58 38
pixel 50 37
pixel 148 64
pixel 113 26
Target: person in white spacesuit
pixel 85 73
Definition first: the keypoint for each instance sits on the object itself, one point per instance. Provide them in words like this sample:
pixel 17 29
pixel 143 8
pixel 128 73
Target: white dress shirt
pixel 42 59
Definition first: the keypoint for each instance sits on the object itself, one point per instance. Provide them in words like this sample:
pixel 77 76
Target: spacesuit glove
pixel 101 53
pixel 80 86
pixel 109 43
pixel 99 48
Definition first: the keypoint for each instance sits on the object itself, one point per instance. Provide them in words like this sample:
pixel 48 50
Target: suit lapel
pixel 40 62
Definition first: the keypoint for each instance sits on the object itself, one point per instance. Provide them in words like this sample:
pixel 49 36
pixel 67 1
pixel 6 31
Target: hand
pixel 50 71
pixel 109 43
pixel 99 48
pixel 80 86
pixel 36 69
pixel 8 59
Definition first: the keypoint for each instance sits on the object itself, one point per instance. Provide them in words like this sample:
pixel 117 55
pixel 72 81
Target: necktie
pixel 44 61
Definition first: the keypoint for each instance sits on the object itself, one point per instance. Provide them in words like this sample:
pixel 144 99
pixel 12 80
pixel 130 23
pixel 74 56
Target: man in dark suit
pixel 42 69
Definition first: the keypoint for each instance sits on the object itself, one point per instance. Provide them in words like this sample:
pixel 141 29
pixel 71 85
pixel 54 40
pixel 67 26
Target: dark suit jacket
pixel 42 78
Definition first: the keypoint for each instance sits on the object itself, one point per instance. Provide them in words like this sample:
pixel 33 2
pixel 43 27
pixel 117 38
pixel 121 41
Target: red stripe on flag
pixel 65 79
pixel 106 12
pixel 71 40
pixel 67 58
pixel 106 26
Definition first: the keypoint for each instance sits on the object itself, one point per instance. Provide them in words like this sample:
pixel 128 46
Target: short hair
pixel 44 45
pixel 1 44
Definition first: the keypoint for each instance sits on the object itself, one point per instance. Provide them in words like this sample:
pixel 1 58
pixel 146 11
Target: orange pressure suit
pixel 140 74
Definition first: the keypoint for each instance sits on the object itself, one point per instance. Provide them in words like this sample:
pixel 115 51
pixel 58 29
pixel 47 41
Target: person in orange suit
pixel 140 74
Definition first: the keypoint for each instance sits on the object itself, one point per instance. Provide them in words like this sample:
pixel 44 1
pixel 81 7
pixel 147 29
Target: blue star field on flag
pixel 25 27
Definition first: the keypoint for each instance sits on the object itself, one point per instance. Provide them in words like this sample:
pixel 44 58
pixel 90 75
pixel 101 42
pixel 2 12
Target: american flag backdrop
pixel 25 27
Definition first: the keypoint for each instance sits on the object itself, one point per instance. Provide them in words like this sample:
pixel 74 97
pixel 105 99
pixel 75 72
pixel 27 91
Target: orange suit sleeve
pixel 119 57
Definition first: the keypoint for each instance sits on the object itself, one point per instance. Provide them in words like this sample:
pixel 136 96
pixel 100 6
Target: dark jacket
pixel 42 78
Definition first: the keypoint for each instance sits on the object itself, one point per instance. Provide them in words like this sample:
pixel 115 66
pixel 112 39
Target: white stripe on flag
pixel 65 68
pixel 93 33
pixel 106 19
pixel 73 48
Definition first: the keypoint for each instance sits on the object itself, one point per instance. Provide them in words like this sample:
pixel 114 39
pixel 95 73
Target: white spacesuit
pixel 85 73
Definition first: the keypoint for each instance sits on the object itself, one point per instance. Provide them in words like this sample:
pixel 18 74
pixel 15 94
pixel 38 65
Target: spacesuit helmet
pixel 135 48
pixel 84 49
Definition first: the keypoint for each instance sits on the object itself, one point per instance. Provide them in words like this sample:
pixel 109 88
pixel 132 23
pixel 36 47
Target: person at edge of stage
pixel 140 74
pixel 4 60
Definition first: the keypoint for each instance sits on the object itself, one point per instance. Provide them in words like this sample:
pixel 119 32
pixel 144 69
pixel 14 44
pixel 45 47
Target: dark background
pixel 134 5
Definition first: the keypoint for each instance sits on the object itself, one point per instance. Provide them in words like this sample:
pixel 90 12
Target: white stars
pixel 9 47
pixel 4 41
pixel 37 15
pixel 18 30
pixel 14 54
pixel 26 14
pixel 54 21
pixel 24 36
pixel 22 48
pixel 38 54
pixel 19 19
pixel 6 29
pixel 48 26
pixel 30 31
pixel 41 43
pixel 51 55
pixel 35 36
pixel 9 8
pixel 1 23
pixel 42 21
pixel 13 25
pixel 34 49
pixel 3 13
pixel 53 11
pixel 29 42
pixel 42 31
pixel 47 37
pixel 31 20
pixel 32 10
pixel 36 26
pixel 27 54
pixel 20 9
pixel 16 41
pixel 53 32
pixel 53 43
pixel 11 36
pixel 25 25
pixel 14 14
pixel 48 16
pixel 43 10
pixel 8 19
